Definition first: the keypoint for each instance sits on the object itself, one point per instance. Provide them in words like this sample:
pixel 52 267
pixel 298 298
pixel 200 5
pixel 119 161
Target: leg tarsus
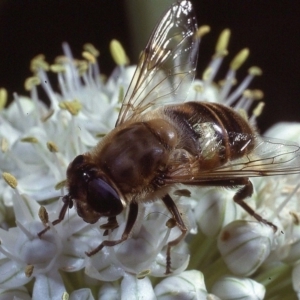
pixel 68 203
pixel 241 195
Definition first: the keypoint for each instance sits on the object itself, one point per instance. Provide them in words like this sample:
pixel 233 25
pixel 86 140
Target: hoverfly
pixel 156 145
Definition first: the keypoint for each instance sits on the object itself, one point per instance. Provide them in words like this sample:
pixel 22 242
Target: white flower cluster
pixel 228 254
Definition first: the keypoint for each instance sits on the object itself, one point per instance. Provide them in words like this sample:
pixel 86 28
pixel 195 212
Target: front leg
pixel 171 206
pixel 68 203
pixel 132 216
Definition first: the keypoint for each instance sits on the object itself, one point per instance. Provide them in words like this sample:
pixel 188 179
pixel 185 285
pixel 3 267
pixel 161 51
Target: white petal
pixel 48 286
pixel 20 293
pixel 188 285
pixel 231 288
pixel 133 288
pixel 12 275
pixel 216 209
pixel 109 292
pixel 85 294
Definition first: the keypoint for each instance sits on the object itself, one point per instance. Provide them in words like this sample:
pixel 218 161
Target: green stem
pixel 201 248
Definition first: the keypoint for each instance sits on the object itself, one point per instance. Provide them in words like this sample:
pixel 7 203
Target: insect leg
pixel 171 206
pixel 239 197
pixel 111 224
pixel 68 203
pixel 132 215
pixel 243 193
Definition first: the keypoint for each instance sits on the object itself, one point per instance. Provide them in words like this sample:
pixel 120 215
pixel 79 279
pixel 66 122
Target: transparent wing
pixel 268 157
pixel 167 65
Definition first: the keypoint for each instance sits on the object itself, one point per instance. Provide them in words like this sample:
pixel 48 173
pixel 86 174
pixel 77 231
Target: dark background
pixel 271 29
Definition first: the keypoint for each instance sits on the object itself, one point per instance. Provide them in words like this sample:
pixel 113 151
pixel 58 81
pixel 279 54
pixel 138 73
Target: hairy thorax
pixel 135 155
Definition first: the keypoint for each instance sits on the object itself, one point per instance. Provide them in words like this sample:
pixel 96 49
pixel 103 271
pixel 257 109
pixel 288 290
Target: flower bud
pixel 245 245
pixel 187 285
pixel 238 288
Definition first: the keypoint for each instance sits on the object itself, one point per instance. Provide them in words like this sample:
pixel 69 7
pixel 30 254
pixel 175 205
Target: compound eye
pixel 103 198
pixel 78 160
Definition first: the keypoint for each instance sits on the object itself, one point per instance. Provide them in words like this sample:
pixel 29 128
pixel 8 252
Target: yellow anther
pixel 202 30
pixel 10 180
pixel 73 107
pixel 65 296
pixel 257 94
pixel 30 82
pixel 61 59
pixel 52 147
pixel 89 57
pixel 221 47
pixel 91 48
pixel 118 53
pixel 43 215
pixel 82 66
pixel 206 74
pixel 3 98
pixel 60 184
pixel 57 68
pixel 258 109
pixel 4 145
pixel 143 274
pixel 255 71
pixel 233 82
pixel 243 114
pixel 198 88
pixel 29 270
pixel 239 59
pixel 38 62
pixel 30 139
pixel 295 217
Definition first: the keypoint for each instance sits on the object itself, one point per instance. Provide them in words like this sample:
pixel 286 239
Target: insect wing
pixel 268 157
pixel 167 65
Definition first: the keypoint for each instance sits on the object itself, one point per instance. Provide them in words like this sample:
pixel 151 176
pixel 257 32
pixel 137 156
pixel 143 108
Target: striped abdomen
pixel 213 132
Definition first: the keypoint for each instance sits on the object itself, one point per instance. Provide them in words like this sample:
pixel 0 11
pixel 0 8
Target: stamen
pixel 91 48
pixel 118 53
pixel 31 82
pixel 4 145
pixel 253 71
pixel 30 139
pixel 10 180
pixel 29 270
pixel 257 111
pixel 39 63
pixel 221 52
pixel 73 107
pixel 3 98
pixel 57 68
pixel 52 146
pixel 284 203
pixel 43 215
pixel 202 31
pixel 89 57
pixel 239 59
pixel 222 43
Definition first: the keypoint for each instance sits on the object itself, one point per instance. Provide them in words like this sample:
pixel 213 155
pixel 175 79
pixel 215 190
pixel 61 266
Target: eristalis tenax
pixel 160 141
